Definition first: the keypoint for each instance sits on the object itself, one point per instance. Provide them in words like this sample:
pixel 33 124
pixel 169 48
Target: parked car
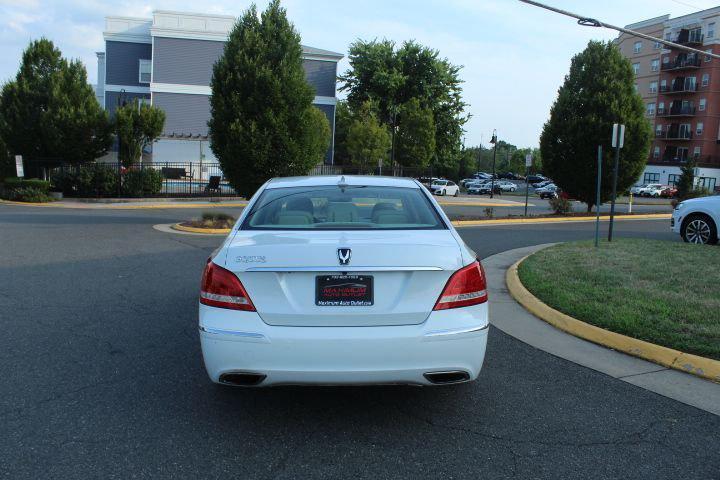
pixel 637 188
pixel 427 181
pixel 444 187
pixel 548 191
pixel 542 184
pixel 496 187
pixel 654 191
pixel 531 179
pixel 481 188
pixel 376 267
pixel 510 176
pixel 697 220
pixel 650 187
pixel 507 186
pixel 669 192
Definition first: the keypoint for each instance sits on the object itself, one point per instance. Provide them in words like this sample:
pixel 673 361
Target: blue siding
pixel 322 76
pixel 122 62
pixel 184 61
pixel 184 114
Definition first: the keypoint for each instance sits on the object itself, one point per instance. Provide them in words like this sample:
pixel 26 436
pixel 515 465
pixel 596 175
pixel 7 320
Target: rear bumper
pixel 450 340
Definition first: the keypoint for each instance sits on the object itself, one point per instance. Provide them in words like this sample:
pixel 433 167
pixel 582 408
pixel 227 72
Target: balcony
pixel 685 111
pixel 679 87
pixel 689 37
pixel 676 133
pixel 681 63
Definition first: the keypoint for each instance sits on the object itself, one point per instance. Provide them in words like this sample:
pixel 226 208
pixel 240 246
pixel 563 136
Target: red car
pixel 668 192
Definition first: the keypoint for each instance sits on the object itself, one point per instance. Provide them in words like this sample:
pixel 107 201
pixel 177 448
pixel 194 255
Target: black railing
pixel 680 88
pixel 678 134
pixel 168 179
pixel 689 37
pixel 676 111
pixel 691 61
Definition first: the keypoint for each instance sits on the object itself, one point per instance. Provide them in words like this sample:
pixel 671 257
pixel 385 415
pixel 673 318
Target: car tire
pixel 442 193
pixel 457 193
pixel 700 229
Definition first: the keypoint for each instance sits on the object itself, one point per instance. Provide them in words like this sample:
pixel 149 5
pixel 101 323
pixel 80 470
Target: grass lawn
pixel 666 293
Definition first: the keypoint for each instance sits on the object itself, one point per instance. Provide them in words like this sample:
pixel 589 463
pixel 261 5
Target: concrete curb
pixel 503 221
pixel 205 231
pixel 105 206
pixel 667 357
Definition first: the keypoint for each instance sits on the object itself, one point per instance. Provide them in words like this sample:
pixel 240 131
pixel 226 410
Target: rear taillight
pixel 221 288
pixel 466 287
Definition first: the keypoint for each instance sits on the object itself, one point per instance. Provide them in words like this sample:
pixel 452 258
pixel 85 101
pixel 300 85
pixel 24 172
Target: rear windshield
pixel 351 207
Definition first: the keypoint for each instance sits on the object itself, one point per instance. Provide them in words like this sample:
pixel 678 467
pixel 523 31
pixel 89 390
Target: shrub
pixel 147 181
pixel 15 182
pixel 89 179
pixel 560 205
pixel 489 212
pixel 28 194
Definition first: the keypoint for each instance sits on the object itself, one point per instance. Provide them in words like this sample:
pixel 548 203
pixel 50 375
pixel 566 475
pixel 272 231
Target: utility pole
pixel 393 112
pixel 618 139
pixel 492 180
pixel 528 164
pixel 597 197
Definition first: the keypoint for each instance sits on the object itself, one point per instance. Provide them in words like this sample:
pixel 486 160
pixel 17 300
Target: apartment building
pixel 167 61
pixel 681 91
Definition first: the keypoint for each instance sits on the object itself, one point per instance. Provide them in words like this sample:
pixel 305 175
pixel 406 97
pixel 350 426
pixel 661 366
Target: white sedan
pixel 444 187
pixel 697 220
pixel 343 280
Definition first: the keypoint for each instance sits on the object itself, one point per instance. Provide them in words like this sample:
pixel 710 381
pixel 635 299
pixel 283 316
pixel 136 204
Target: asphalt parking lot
pixel 103 378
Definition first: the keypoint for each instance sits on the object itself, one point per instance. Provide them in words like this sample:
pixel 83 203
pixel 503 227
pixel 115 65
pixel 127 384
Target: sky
pixel 514 55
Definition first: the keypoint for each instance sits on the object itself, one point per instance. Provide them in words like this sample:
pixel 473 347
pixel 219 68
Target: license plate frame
pixel 344 290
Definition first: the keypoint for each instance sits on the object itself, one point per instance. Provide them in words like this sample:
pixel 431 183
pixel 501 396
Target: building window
pixel 690 83
pixel 651 108
pixel 651 178
pixel 636 68
pixel 667 35
pixel 661 108
pixel 705 79
pixel 637 90
pixel 656 152
pixel 673 179
pixel 706 183
pixel 711 30
pixel 699 128
pixel 702 104
pixel 637 47
pixel 708 57
pixel 653 87
pixel 666 59
pixel 655 65
pixel 145 71
pixel 658 130
pixel 696 152
pixel 657 45
pixel 663 85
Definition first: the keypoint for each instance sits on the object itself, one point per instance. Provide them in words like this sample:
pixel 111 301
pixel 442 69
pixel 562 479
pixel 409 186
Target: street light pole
pixel 492 180
pixel 121 103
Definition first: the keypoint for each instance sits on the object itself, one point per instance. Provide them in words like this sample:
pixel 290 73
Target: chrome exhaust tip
pixel 447 378
pixel 242 379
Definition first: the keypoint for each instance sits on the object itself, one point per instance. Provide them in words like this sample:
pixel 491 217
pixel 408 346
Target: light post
pixel 121 103
pixel 393 112
pixel 493 140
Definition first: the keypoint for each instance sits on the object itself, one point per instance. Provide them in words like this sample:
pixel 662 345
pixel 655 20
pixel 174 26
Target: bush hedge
pixel 16 182
pixel 102 180
pixel 28 194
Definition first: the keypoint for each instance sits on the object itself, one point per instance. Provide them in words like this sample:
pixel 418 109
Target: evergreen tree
pixel 50 111
pixel 686 182
pixel 598 91
pixel 263 123
pixel 368 141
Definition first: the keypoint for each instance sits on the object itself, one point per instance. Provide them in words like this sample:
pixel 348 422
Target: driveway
pixel 102 377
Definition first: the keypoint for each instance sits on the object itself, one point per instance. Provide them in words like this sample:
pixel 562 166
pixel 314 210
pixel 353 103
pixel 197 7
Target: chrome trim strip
pixel 344 268
pixel 216 331
pixel 455 331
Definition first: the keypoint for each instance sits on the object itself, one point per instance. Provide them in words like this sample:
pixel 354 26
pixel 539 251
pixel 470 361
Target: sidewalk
pixel 507 315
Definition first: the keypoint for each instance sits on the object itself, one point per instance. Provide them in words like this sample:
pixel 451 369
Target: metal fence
pixel 168 179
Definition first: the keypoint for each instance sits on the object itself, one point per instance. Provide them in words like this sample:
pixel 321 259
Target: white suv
pixel 697 220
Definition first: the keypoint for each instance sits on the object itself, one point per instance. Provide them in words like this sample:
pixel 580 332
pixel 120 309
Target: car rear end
pixel 359 282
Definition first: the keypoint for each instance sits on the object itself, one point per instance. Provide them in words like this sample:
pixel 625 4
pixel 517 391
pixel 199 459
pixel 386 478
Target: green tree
pixel 50 111
pixel 137 125
pixel 598 91
pixel 686 183
pixel 343 120
pixel 414 140
pixel 368 141
pixel 392 77
pixel 263 123
pixel 6 166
